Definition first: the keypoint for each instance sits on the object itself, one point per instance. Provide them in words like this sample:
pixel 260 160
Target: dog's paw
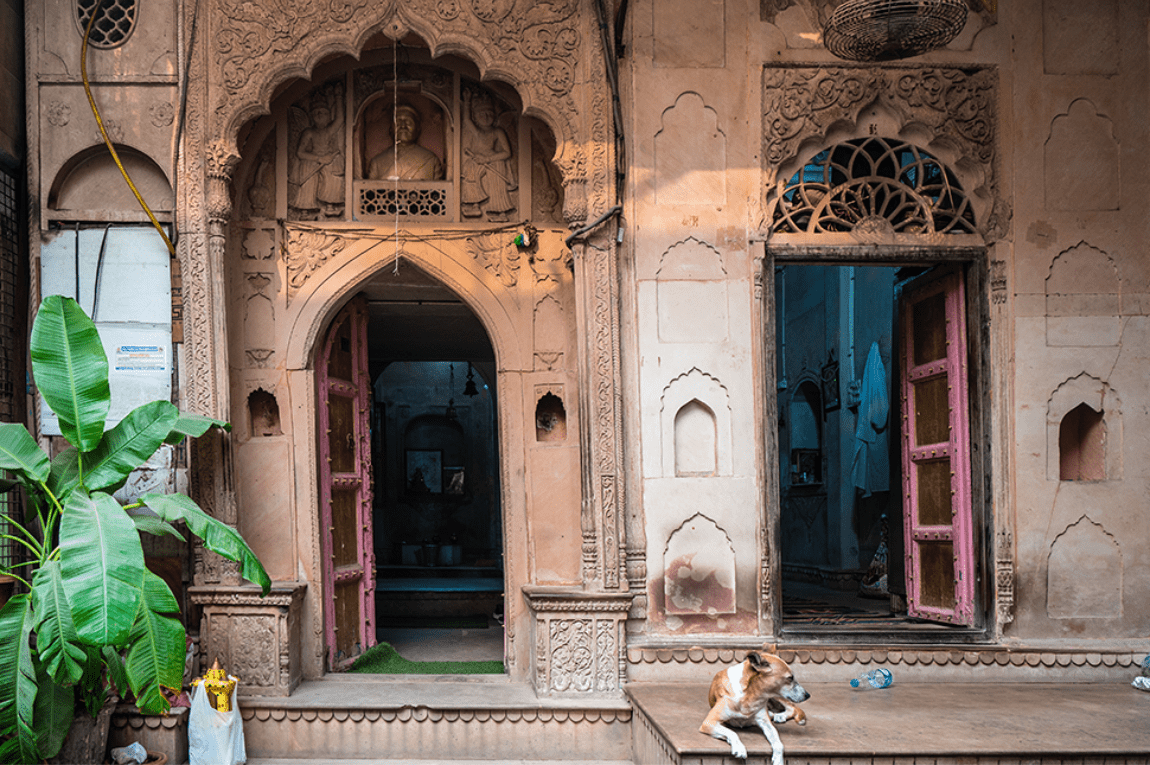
pixel 740 751
pixel 781 718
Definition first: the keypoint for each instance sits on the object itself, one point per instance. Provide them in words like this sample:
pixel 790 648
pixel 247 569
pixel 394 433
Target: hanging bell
pixel 469 388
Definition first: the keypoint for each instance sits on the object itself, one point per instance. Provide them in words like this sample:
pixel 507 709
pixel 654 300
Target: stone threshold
pixel 913 722
pixel 453 693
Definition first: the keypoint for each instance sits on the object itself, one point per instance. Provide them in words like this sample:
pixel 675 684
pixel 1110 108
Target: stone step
pixel 448 718
pixel 912 724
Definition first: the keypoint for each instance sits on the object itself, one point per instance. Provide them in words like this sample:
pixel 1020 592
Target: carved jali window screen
pixel 113 24
pixel 874 184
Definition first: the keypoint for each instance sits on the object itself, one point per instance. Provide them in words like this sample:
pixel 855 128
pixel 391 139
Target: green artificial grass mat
pixel 382 659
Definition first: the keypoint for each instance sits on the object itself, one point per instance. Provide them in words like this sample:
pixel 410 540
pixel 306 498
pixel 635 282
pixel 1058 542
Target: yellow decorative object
pixel 219 686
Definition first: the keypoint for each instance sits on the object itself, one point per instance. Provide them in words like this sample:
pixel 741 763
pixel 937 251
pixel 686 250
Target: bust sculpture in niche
pixel 405 159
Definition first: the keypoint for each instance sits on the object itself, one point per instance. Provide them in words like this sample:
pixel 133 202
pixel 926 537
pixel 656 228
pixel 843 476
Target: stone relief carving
pixel 261 196
pixel 58 114
pixel 800 103
pixel 488 172
pixel 307 250
pixel 1004 577
pixel 998 282
pixel 259 312
pixel 316 164
pixel 696 177
pixel 578 643
pixel 255 639
pixel 256 47
pixel 162 113
pixel 259 244
pixel 498 254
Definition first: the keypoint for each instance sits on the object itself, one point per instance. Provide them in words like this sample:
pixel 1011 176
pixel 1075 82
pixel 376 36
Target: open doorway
pixel 876 526
pixel 430 521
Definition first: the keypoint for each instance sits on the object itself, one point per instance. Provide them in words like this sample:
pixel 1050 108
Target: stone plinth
pixel 159 734
pixel 257 639
pixel 579 641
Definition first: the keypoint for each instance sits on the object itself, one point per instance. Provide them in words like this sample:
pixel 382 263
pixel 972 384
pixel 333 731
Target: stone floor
pixel 434 644
pixel 957 720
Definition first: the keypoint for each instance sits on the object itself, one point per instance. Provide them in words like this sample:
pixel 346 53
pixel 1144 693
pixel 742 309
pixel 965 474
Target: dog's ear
pixel 758 663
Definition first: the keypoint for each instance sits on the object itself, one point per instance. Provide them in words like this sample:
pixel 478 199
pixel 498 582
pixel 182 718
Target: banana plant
pixel 92 613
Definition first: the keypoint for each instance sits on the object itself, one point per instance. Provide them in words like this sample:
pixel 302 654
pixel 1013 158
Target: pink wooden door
pixel 936 452
pixel 345 486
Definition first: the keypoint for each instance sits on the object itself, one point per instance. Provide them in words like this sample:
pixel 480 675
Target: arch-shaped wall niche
pixel 707 403
pixel 1091 437
pixel 90 182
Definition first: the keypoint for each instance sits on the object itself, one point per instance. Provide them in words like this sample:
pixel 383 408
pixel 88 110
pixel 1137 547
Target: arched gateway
pixel 455 165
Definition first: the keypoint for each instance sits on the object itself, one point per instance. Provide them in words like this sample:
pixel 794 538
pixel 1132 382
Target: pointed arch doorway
pixel 416 558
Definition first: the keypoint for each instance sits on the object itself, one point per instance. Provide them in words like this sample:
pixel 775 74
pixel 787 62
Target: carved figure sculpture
pixel 488 173
pixel 405 159
pixel 318 167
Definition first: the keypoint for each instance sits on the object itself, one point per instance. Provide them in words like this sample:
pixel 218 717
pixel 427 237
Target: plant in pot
pixel 93 613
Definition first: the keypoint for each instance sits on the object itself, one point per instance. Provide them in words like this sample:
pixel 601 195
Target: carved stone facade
pixel 636 364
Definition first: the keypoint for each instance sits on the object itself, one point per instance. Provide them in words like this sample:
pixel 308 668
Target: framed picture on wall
pixel 423 473
pixel 453 481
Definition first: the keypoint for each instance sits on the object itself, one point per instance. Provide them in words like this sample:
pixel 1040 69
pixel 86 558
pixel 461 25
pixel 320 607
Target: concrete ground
pixel 1023 720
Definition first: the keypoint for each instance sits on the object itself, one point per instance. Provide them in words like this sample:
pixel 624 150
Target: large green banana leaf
pixel 217 536
pixel 54 711
pixel 129 444
pixel 156 653
pixel 148 522
pixel 65 473
pixel 103 566
pixel 56 639
pixel 17 682
pixel 194 425
pixel 19 452
pixel 71 370
pixel 116 672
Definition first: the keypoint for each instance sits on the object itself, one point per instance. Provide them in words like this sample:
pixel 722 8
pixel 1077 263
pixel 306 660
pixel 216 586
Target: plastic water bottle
pixel 1146 666
pixel 875 678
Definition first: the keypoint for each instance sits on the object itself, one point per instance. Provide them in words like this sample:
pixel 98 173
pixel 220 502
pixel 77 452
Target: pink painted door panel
pixel 345 490
pixel 936 452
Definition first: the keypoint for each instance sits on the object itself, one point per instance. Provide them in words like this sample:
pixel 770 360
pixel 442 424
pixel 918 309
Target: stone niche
pixel 257 639
pixel 579 641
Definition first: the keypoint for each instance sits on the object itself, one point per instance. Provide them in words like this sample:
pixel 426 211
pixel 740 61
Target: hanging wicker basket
pixel 885 30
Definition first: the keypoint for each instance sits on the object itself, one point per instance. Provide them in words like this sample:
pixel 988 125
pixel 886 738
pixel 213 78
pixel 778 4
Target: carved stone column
pixel 256 639
pixel 579 640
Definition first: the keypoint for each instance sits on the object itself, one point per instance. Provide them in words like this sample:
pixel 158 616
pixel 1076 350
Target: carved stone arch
pixel 336 281
pixel 1096 394
pixel 949 109
pixel 253 55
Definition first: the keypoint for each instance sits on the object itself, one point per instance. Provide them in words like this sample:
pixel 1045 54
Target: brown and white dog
pixel 758 691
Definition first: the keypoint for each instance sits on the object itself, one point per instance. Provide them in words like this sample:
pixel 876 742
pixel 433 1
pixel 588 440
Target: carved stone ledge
pixel 579 641
pixel 909 657
pixel 164 734
pixel 420 714
pixel 256 639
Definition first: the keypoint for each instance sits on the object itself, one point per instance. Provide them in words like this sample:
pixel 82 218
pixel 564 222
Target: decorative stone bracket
pixel 579 641
pixel 257 639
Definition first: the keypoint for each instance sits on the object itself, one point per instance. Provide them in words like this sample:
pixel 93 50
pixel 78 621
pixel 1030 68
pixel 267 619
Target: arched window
pixel 874 184
pixel 113 25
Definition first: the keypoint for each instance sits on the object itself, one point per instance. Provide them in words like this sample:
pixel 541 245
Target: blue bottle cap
pixel 854 683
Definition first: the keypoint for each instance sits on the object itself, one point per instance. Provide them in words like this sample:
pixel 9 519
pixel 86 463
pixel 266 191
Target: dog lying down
pixel 758 691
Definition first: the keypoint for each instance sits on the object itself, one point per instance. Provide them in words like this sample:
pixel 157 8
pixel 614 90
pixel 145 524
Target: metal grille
pixel 114 23
pixel 872 184
pixel 885 30
pixel 386 201
pixel 11 334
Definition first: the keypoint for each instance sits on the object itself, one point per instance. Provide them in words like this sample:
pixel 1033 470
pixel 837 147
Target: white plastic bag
pixel 214 738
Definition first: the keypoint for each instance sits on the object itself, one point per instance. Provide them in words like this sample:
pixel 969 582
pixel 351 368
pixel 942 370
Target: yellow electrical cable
pixel 104 133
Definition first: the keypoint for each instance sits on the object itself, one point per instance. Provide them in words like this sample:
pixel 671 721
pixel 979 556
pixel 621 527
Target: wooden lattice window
pixel 114 23
pixel 874 184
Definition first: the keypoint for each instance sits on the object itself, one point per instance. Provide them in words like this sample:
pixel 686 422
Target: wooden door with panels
pixel 345 400
pixel 936 469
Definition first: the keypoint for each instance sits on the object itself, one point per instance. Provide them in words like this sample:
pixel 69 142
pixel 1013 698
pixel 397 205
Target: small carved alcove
pixel 1082 445
pixel 695 440
pixel 550 419
pixel 263 414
